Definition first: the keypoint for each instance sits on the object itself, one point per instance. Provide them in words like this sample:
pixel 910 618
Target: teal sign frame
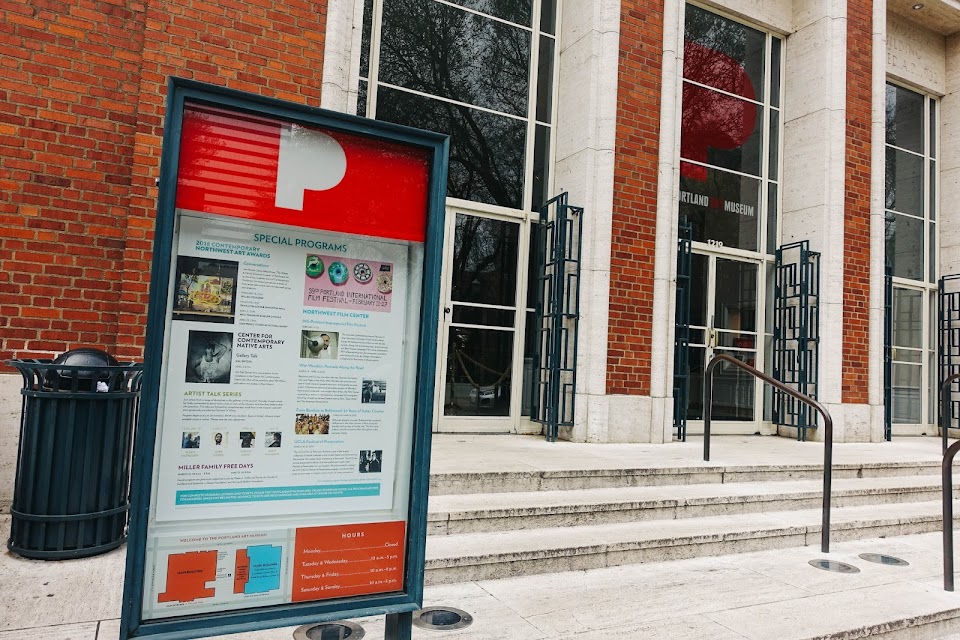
pixel 397 606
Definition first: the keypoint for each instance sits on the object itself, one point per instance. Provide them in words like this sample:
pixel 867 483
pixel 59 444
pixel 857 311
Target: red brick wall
pixel 635 198
pixel 68 108
pixel 856 232
pixel 270 47
pixel 81 120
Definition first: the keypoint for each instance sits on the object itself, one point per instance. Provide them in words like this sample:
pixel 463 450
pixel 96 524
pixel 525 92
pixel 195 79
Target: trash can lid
pixel 85 356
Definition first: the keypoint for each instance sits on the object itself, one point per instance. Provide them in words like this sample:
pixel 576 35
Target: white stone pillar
pixel 949 161
pixel 813 170
pixel 341 55
pixel 586 140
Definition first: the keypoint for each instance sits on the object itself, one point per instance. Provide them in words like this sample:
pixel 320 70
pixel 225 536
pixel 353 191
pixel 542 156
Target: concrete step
pixel 701 473
pixel 766 595
pixel 484 556
pixel 490 512
pixel 927 626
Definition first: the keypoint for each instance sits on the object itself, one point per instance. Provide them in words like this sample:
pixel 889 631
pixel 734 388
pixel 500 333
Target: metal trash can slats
pixel 71 494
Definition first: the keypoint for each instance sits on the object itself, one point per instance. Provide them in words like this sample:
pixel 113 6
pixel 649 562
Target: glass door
pixel 479 327
pixel 723 319
pixel 913 369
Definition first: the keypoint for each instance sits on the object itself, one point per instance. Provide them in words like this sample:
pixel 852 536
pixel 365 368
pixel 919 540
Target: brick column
pixel 633 244
pixel 857 183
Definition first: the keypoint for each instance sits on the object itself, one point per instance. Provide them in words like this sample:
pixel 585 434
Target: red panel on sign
pixel 348 560
pixel 258 168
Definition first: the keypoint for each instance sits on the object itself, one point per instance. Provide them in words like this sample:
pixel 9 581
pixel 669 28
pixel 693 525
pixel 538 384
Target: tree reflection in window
pixel 736 43
pixel 717 128
pixel 485 261
pixel 441 50
pixel 722 128
pixel 486 150
pixel 444 51
pixel 907 173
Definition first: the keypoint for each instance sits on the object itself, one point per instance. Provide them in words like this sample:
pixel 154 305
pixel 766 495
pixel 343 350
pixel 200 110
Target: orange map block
pixel 242 571
pixel 187 576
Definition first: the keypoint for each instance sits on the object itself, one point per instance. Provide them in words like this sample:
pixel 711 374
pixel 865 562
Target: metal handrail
pixel 827 429
pixel 948 455
pixel 945 408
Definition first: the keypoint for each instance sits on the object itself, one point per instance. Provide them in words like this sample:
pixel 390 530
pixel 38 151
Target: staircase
pixel 498 524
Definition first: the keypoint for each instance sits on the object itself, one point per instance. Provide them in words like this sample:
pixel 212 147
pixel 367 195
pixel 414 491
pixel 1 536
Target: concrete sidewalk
pixel 771 595
pixel 759 595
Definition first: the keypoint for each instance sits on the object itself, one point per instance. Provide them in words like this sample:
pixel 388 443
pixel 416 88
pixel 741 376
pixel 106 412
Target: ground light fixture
pixel 339 630
pixel 843 567
pixel 441 619
pixel 833 565
pixel 880 558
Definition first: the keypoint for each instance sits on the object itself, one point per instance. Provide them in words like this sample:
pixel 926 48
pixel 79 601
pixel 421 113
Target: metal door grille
pixel 796 334
pixel 681 345
pixel 559 237
pixel 949 339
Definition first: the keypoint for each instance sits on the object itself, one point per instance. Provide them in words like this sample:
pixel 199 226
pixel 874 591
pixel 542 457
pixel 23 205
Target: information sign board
pixel 282 457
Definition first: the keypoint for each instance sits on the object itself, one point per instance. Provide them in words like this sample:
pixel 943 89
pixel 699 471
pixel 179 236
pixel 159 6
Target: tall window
pixel 730 143
pixel 729 193
pixel 481 71
pixel 910 179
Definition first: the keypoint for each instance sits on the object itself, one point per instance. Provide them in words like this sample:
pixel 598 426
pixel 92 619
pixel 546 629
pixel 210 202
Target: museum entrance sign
pixel 281 465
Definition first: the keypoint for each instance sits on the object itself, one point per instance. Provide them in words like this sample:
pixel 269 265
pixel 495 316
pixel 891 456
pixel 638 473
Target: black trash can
pixel 72 491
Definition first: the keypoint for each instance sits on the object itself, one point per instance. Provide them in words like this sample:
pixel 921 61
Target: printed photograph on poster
pixel 312 424
pixel 209 357
pixel 273 439
pixel 346 283
pixel 371 461
pixel 190 440
pixel 315 266
pixel 247 439
pixel 220 439
pixel 320 345
pixel 373 391
pixel 206 289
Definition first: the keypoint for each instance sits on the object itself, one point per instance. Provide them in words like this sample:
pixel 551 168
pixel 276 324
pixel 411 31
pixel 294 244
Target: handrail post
pixel 708 407
pixel 827 429
pixel 827 481
pixel 949 453
pixel 948 515
pixel 945 408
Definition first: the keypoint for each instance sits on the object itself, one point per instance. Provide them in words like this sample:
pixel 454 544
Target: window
pixel 730 126
pixel 910 180
pixel 481 71
pixel 729 194
pixel 910 184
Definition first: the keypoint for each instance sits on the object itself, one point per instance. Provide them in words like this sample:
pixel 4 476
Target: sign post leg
pixel 399 626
